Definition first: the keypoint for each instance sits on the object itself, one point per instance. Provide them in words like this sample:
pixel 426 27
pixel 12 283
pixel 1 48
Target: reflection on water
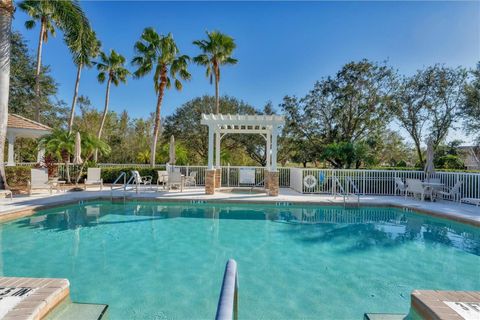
pixel 373 226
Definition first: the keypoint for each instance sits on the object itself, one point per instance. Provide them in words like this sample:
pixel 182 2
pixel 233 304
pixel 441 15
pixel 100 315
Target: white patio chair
pixel 415 187
pixel 38 180
pixel 175 179
pixel 94 177
pixel 400 186
pixel 453 193
pixel 138 180
pixel 191 180
pixel 162 177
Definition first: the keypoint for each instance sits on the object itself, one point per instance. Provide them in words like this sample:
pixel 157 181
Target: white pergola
pixel 219 125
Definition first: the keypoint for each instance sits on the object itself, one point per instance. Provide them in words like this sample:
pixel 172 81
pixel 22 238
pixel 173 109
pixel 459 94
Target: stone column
pixel 210 181
pixel 273 183
pixel 266 178
pixel 218 177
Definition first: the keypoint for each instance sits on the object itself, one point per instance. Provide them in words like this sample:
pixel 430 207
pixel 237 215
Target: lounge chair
pixel 453 193
pixel 138 180
pixel 191 180
pixel 400 186
pixel 94 177
pixel 474 201
pixel 162 177
pixel 175 179
pixel 415 187
pixel 7 193
pixel 39 180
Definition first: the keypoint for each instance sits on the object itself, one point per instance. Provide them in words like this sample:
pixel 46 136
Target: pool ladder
pixel 349 183
pixel 116 186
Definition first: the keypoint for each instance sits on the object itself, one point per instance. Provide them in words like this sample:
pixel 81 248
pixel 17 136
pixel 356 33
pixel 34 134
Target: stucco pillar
pixel 274 149
pixel 11 150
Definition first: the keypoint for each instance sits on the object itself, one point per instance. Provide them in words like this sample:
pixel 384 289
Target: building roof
pixel 19 122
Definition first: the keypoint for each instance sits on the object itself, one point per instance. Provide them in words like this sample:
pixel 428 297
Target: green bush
pixel 110 174
pixel 17 176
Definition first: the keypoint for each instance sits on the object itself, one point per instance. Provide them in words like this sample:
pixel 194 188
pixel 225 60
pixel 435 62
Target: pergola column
pixel 273 182
pixel 11 150
pixel 210 172
pixel 274 149
pixel 218 172
pixel 268 151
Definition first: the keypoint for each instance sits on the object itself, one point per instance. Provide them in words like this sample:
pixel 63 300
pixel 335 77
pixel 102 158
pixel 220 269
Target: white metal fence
pixel 378 182
pixel 368 182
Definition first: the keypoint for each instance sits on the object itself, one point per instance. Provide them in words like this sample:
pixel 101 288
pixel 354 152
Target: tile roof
pixel 16 121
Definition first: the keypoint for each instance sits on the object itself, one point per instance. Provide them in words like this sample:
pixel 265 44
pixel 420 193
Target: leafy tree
pixel 65 15
pixel 216 50
pixel 6 16
pixel 83 52
pixel 342 112
pixel 426 104
pixel 471 105
pixel 160 53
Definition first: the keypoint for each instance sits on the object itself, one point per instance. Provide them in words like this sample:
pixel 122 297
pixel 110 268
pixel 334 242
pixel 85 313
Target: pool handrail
pixel 227 308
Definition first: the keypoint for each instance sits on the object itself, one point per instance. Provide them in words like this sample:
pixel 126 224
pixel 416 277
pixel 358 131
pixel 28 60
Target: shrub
pixel 17 177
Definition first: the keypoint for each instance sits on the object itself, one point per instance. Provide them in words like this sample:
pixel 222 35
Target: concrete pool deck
pixel 22 206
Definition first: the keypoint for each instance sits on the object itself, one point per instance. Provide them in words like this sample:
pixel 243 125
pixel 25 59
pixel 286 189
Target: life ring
pixel 309 181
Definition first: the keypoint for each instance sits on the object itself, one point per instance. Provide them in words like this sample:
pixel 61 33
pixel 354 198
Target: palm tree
pixel 160 53
pixel 83 52
pixel 216 51
pixel 6 15
pixel 66 15
pixel 113 70
pixel 60 144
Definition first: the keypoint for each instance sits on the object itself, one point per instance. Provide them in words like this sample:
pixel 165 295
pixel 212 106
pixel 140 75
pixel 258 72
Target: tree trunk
pixel 75 96
pixel 217 98
pixel 419 150
pixel 156 128
pixel 104 116
pixel 39 68
pixel 6 13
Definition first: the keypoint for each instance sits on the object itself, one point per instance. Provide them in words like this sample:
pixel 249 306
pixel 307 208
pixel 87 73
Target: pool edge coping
pixel 32 209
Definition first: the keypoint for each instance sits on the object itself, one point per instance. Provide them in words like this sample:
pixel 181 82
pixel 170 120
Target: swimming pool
pixel 151 260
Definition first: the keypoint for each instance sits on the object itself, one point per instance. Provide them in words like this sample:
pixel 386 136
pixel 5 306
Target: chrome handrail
pixel 354 187
pixel 227 308
pixel 123 175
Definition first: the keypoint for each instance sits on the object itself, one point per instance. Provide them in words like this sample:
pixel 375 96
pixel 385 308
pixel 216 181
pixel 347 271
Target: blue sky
pixel 282 47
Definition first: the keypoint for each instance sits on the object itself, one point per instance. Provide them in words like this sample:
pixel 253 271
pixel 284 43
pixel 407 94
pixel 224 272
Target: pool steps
pixel 79 311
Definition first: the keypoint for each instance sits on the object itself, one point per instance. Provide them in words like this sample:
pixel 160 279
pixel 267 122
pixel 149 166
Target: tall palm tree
pixel 112 68
pixel 216 51
pixel 6 15
pixel 66 15
pixel 160 53
pixel 83 53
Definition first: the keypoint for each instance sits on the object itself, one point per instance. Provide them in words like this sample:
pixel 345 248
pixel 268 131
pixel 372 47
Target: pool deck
pixel 31 298
pixel 22 206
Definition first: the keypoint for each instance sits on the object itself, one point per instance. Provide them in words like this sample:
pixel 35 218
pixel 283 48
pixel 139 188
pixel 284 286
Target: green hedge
pixel 17 176
pixel 110 174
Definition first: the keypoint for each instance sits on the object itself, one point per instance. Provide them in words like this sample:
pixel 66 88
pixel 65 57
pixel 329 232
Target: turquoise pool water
pixel 165 261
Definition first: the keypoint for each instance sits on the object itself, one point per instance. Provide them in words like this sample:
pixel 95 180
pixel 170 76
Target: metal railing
pixel 227 308
pixel 377 182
